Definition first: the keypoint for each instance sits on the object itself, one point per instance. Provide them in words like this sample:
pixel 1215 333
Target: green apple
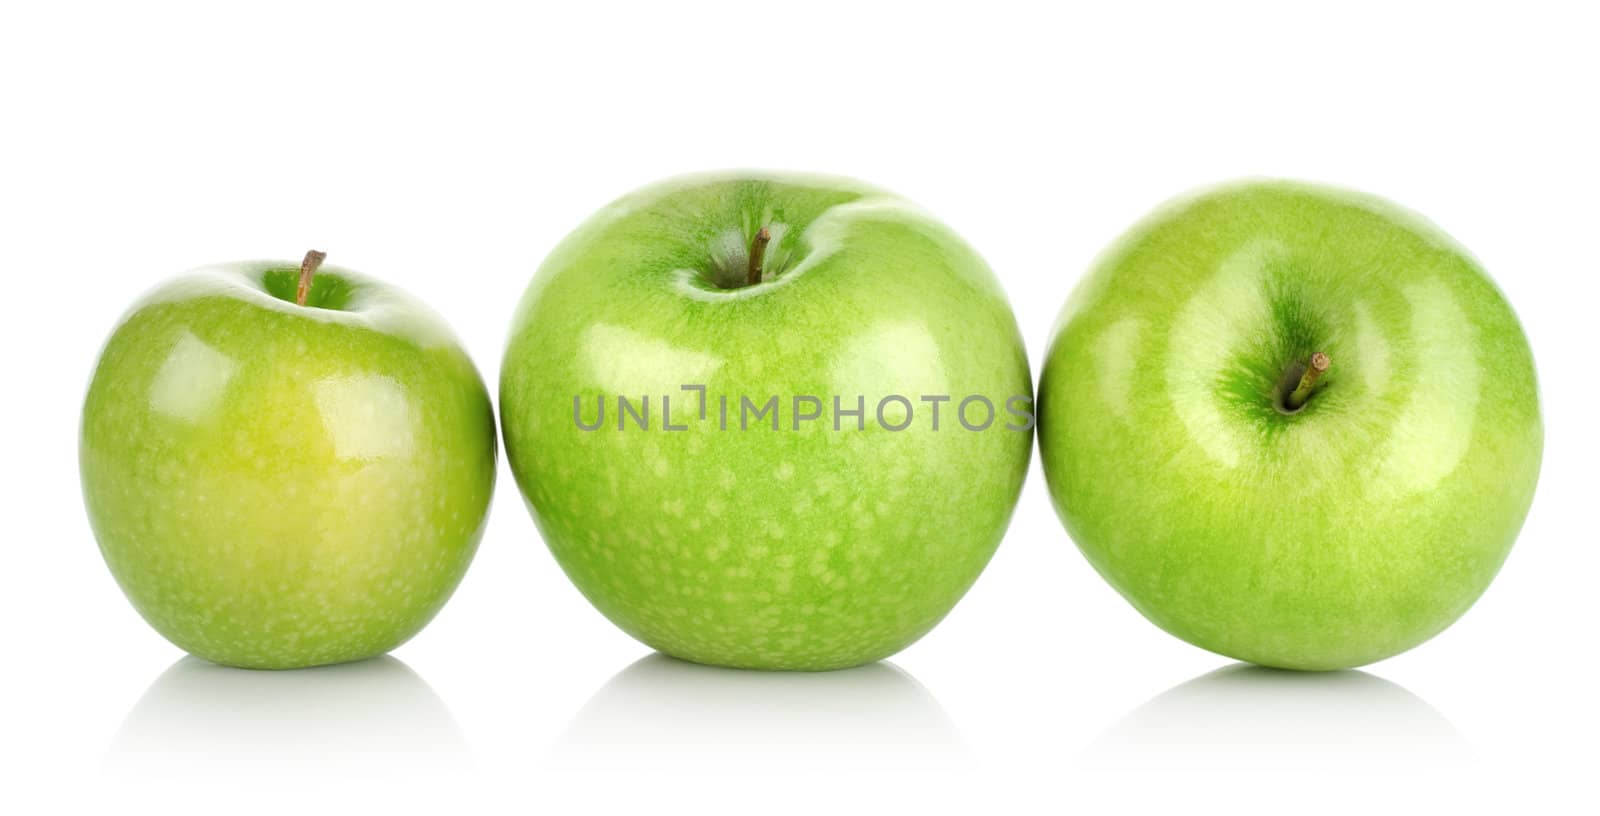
pixel 1294 425
pixel 278 485
pixel 751 517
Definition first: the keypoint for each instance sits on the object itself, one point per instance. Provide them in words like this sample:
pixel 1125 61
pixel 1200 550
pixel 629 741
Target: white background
pixel 448 149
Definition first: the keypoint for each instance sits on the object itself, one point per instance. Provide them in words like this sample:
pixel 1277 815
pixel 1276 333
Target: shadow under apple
pixel 665 713
pixel 371 718
pixel 1248 716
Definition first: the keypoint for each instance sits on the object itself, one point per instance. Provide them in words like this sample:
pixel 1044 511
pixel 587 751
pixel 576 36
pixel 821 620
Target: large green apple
pixel 1294 425
pixel 277 485
pixel 757 536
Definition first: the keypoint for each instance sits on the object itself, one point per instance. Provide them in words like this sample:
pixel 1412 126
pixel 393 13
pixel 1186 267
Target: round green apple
pixel 1294 425
pixel 277 485
pixel 751 517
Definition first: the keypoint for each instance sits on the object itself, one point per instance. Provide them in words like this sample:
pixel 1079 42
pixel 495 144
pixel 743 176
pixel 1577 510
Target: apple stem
pixel 308 270
pixel 758 252
pixel 1319 364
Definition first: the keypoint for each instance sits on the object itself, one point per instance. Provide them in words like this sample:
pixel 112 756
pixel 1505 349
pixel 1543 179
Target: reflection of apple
pixel 330 719
pixel 1293 425
pixel 872 713
pixel 277 485
pixel 1243 716
pixel 785 543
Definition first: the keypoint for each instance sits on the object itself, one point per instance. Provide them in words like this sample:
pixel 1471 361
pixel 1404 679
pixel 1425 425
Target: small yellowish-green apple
pixel 284 466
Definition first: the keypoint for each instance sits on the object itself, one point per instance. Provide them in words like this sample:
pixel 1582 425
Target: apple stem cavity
pixel 758 253
pixel 1314 369
pixel 308 270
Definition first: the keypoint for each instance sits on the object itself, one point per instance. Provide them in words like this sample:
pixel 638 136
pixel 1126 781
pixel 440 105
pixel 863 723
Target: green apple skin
pixel 277 486
pixel 808 549
pixel 1335 536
